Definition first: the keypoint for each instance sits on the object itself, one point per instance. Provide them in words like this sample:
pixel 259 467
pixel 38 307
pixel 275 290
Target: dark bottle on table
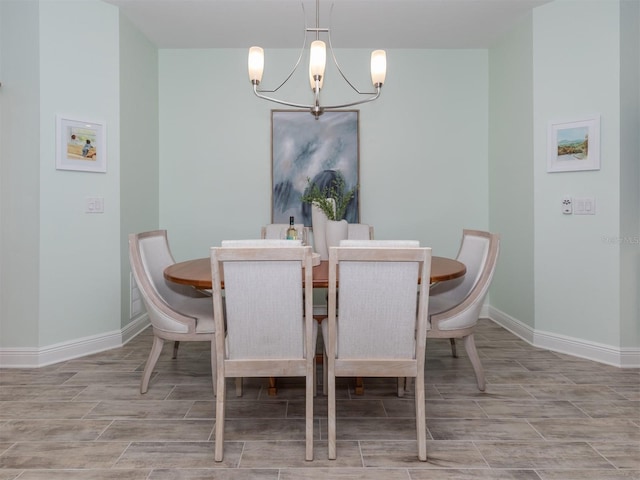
pixel 292 233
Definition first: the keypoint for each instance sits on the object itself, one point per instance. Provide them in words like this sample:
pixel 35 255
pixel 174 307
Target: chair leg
pixel 331 412
pixel 214 368
pixel 421 417
pixel 324 373
pixel 401 386
pixel 454 352
pixel 315 378
pixel 220 412
pixel 154 354
pixel 407 384
pixel 470 346
pixel 309 394
pixel 176 344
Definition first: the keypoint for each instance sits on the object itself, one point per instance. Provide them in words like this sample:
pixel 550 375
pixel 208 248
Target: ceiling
pixel 369 24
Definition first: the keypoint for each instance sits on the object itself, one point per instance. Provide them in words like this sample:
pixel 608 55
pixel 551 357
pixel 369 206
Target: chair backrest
pixel 264 309
pixel 149 255
pixel 279 230
pixel 156 256
pixel 378 280
pixel 380 243
pixel 473 252
pixel 479 252
pixel 359 231
pixel 261 242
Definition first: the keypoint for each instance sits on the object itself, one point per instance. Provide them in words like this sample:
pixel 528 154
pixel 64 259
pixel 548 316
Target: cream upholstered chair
pixel 378 332
pixel 359 231
pixel 355 231
pixel 269 322
pixel 454 305
pixel 279 230
pixel 346 231
pixel 274 231
pixel 176 312
pixel 262 242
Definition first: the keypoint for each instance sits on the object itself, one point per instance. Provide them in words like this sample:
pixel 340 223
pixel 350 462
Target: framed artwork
pixel 574 145
pixel 303 147
pixel 81 145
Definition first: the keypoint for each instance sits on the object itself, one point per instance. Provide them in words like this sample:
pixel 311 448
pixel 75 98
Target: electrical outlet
pixel 567 205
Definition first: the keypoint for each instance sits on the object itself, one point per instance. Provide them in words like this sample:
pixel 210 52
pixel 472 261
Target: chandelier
pixel 317 63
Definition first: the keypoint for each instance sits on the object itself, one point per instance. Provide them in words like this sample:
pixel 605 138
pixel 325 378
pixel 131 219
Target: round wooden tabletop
pixel 197 273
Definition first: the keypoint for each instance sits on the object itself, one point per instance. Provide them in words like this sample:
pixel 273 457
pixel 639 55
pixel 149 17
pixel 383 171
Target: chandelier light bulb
pixel 256 64
pixel 317 59
pixel 378 67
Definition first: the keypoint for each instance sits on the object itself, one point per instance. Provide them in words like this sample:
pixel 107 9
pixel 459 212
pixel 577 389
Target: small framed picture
pixel 81 145
pixel 574 145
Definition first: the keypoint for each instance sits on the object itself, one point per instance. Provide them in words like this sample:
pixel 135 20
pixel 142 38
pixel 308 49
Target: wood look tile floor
pixel 544 416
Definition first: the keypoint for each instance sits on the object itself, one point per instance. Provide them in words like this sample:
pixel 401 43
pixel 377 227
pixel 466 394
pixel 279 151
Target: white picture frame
pixel 81 145
pixel 573 145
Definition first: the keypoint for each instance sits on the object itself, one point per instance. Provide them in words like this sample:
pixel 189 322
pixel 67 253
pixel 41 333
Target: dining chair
pixel 176 312
pixel 269 242
pixel 359 231
pixel 270 330
pixel 278 231
pixel 378 331
pixel 454 305
pixel 355 231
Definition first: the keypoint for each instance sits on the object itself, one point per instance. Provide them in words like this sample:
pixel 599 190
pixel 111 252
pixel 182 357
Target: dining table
pixel 197 273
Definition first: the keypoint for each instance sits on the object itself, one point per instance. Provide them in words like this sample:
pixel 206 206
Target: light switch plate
pixel 584 206
pixel 94 205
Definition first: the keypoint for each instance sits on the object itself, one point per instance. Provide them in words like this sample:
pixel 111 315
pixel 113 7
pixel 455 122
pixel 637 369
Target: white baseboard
pixel 577 347
pixel 40 357
pixel 134 327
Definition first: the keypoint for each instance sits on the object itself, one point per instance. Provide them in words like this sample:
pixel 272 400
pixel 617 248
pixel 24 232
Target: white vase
pixel 335 231
pixel 318 223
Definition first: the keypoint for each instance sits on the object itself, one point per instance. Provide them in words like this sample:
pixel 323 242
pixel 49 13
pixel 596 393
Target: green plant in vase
pixel 334 194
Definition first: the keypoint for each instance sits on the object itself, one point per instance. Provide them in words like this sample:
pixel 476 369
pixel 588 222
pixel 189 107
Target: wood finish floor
pixel 544 416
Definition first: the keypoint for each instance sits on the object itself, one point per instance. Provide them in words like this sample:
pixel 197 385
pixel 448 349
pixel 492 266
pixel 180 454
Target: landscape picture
pixel 573 143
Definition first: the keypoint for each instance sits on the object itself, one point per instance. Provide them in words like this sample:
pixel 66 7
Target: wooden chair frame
pixel 470 306
pixel 160 311
pixel 379 367
pixel 264 367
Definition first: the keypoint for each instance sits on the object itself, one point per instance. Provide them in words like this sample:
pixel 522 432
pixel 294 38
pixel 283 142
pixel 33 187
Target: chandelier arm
pixel 293 70
pixel 329 107
pixel 275 100
pixel 344 77
pixel 359 102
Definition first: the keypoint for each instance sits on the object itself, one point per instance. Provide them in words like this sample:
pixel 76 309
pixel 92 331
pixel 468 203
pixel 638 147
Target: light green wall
pixel 139 166
pixel 511 202
pixel 630 173
pixel 79 274
pixel 423 146
pixel 434 158
pixel 19 174
pixel 576 65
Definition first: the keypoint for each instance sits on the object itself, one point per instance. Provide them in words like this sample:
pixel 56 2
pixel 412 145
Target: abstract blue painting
pixel 304 147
